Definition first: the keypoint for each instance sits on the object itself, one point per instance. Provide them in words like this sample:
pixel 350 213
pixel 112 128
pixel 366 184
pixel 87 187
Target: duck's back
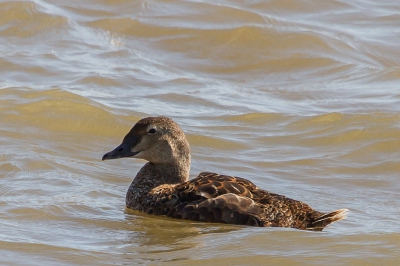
pixel 211 197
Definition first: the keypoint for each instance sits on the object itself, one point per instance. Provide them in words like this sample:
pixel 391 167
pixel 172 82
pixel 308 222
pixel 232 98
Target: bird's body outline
pixel 161 186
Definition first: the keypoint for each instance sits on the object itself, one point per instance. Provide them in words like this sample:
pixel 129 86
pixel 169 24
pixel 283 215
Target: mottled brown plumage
pixel 161 186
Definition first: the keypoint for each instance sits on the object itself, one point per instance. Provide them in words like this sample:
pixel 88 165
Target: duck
pixel 162 186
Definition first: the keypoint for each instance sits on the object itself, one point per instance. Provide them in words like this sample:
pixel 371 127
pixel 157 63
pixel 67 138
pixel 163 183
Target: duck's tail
pixel 322 221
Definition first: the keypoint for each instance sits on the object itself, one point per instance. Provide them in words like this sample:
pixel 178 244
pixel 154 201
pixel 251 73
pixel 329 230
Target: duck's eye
pixel 152 131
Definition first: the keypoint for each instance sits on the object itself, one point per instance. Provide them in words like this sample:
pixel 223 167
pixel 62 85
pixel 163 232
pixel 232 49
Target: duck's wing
pixel 211 185
pixel 219 198
pixel 167 198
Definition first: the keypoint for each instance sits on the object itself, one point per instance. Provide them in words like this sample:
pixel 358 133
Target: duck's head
pixel 156 139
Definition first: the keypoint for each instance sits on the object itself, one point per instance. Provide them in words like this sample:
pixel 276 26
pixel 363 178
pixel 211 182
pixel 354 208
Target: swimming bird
pixel 161 186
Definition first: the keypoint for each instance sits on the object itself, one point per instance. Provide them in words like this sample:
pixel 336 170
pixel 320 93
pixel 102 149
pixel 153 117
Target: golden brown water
pixel 301 97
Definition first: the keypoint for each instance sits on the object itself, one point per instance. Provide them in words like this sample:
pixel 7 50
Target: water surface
pixel 301 97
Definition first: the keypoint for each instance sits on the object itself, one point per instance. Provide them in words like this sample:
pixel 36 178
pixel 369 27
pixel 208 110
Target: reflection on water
pixel 300 97
pixel 152 236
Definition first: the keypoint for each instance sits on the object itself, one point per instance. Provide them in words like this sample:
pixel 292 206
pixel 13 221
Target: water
pixel 301 97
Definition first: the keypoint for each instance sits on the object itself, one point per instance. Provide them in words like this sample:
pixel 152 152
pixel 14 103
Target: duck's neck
pixel 155 174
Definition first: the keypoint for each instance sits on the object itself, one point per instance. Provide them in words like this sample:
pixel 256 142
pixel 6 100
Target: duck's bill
pixel 122 151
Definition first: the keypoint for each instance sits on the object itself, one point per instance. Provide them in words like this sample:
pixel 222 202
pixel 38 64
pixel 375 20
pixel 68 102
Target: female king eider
pixel 162 187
